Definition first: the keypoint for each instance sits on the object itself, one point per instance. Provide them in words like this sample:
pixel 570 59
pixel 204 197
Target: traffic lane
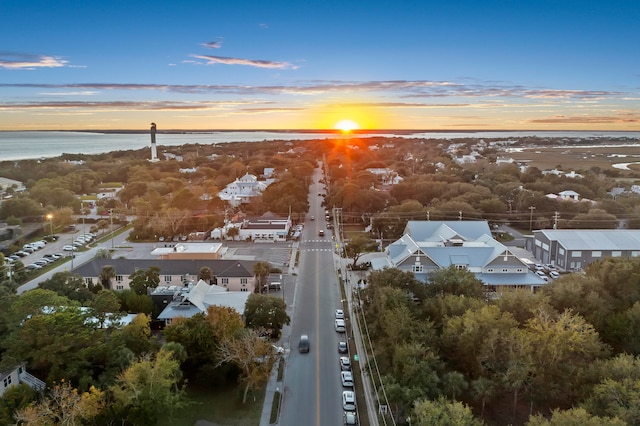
pixel 328 301
pixel 312 380
pixel 299 403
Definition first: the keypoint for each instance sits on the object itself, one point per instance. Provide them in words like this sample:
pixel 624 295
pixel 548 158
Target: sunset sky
pixel 273 64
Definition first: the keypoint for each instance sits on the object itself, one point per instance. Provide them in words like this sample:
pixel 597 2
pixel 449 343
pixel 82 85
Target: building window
pixel 225 281
pixel 635 253
pixel 119 278
pixel 560 251
pixel 490 270
pixel 576 254
pixel 243 281
pixel 505 270
pixel 119 287
pixel 596 254
pixel 461 267
pixel 167 278
pixel 243 289
pixel 88 281
pixel 616 254
pixel 519 270
pixel 416 268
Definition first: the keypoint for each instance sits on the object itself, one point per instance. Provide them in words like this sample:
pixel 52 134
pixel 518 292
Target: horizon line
pixel 328 131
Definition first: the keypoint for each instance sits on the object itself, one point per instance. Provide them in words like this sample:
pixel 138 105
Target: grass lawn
pixel 222 407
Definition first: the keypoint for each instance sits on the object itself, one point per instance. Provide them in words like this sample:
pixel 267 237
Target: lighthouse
pixel 154 150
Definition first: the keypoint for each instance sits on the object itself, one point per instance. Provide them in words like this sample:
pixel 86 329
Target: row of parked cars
pixel 346 376
pixel 31 248
pixel 80 241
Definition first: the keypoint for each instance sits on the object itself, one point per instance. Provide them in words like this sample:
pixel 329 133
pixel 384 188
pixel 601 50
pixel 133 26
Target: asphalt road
pixel 313 391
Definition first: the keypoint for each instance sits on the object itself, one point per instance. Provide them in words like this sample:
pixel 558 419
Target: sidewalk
pixel 273 385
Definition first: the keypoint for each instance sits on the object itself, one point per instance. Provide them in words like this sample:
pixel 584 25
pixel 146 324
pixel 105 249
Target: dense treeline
pixel 569 350
pixel 98 371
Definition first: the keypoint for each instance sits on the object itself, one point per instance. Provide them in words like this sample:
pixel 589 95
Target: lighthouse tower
pixel 154 150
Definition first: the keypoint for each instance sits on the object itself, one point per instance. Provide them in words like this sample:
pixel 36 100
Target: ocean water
pixel 45 144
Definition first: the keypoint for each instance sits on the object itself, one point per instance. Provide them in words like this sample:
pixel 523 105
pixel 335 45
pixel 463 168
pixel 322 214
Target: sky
pixel 274 64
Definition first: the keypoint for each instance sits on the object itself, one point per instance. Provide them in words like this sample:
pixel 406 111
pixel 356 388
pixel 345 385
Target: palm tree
pixel 106 275
pixel 261 271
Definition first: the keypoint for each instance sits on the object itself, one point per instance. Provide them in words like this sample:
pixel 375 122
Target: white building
pixel 243 189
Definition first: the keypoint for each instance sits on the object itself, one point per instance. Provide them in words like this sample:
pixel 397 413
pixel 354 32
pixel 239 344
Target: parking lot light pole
pixel 50 217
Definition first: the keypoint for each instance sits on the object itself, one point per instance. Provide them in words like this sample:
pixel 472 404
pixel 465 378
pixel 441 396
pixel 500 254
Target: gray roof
pixel 219 267
pixel 587 239
pixel 199 298
pixel 432 230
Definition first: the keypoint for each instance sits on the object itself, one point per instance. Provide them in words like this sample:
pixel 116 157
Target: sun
pixel 346 126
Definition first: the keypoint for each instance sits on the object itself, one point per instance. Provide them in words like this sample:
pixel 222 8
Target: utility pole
pixel 531 209
pixel 111 217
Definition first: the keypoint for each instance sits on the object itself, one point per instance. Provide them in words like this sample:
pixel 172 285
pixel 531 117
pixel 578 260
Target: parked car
pixel 340 326
pixel 53 256
pixel 350 418
pixel 32 267
pixel 339 314
pixel 21 253
pixel 28 249
pixel 346 377
pixel 342 347
pixel 13 257
pixel 554 274
pixel 69 248
pixel 349 401
pixel 345 363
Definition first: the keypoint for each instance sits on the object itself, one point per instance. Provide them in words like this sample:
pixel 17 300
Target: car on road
pixel 342 347
pixel 349 401
pixel 321 233
pixel 339 314
pixel 345 363
pixel 303 345
pixel 341 327
pixel 350 418
pixel 346 377
pixel 69 248
pixel 312 218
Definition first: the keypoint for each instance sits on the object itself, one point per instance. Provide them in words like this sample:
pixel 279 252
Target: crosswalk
pixel 313 245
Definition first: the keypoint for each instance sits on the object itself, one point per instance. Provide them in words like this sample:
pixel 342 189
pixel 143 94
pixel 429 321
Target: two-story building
pixel 428 246
pixel 574 249
pixel 234 275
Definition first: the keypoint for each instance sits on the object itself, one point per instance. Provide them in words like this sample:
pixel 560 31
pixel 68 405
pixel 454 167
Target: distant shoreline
pixel 321 131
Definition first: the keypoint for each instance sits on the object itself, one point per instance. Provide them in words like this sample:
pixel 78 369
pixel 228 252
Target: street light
pixel 50 217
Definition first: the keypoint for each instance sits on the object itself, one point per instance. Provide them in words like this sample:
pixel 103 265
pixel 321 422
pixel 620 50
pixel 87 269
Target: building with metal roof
pixel 428 246
pixel 574 249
